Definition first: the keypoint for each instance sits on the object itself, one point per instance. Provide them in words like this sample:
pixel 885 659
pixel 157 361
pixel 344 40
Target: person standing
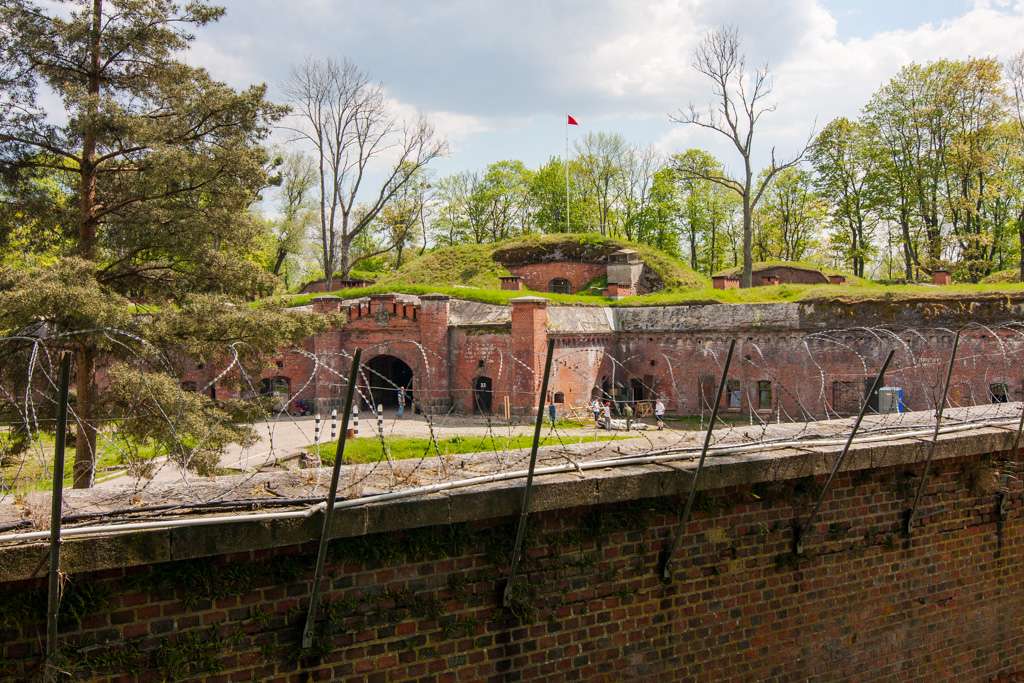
pixel 401 401
pixel 595 407
pixel 552 413
pixel 607 415
pixel 627 412
pixel 659 413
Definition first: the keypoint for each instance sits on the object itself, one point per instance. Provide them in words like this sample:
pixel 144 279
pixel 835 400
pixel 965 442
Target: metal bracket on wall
pixel 798 528
pixel 517 548
pixel 321 553
pixel 684 517
pixel 908 516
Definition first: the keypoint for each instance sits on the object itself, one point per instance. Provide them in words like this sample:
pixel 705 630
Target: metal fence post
pixel 798 529
pixel 56 510
pixel 321 553
pixel 517 549
pixel 684 518
pixel 908 519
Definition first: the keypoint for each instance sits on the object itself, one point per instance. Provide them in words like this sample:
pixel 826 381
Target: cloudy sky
pixel 497 78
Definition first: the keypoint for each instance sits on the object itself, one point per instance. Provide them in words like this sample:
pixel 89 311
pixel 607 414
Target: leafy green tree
pixel 295 179
pixel 791 217
pixel 704 209
pixel 157 166
pixel 847 175
pixel 501 199
pixel 547 198
pixel 660 225
pixel 600 158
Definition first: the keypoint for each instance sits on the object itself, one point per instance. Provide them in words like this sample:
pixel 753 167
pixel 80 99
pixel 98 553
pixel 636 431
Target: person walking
pixel 659 413
pixel 552 413
pixel 401 401
pixel 627 412
pixel 595 407
pixel 607 415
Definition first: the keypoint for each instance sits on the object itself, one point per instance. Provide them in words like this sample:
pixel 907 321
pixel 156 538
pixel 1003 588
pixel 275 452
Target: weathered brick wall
pixel 482 353
pixel 863 604
pixel 537 276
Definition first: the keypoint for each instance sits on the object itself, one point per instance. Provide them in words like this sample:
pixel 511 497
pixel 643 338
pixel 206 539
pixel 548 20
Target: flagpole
pixel 567 173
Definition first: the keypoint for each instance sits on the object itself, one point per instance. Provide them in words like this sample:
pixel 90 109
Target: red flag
pixel 572 121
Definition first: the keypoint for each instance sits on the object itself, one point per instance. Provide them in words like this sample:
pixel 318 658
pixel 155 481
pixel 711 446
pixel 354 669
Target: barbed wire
pixel 784 387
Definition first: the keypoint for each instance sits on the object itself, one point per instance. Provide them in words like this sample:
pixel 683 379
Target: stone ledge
pixel 486 502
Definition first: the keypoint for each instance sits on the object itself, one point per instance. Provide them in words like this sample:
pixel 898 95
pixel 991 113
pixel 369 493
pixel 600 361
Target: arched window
pixel 560 285
pixel 764 395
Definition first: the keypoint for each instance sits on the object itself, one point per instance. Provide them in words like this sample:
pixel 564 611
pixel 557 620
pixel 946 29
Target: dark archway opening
pixel 638 390
pixel 483 393
pixel 560 285
pixel 387 375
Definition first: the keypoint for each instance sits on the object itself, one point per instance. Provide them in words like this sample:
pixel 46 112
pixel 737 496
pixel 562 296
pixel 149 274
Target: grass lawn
pixel 26 472
pixel 368 448
pixel 849 293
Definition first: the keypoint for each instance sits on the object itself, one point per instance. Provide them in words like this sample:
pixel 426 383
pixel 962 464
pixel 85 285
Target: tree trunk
pixel 85 402
pixel 748 243
pixel 1020 237
pixel 908 250
pixel 344 256
pixel 85 366
pixel 279 261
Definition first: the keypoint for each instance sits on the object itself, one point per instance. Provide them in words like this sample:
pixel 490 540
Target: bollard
pixel 316 434
pixel 380 419
pixel 353 430
pixel 334 424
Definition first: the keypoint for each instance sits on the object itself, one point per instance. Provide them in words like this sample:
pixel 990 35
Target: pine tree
pixel 148 234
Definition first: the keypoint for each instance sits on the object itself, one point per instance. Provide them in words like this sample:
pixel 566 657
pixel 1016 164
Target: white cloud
pixel 489 73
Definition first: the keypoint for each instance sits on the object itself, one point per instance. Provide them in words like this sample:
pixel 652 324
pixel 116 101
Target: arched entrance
pixel 386 375
pixel 483 393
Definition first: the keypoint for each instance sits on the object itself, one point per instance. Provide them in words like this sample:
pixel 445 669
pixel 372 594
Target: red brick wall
pixel 863 604
pixel 481 353
pixel 537 276
pixel 529 347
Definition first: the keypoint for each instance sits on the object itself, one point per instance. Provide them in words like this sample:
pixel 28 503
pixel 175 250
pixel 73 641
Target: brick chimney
pixel 837 279
pixel 511 282
pixel 327 304
pixel 725 282
pixel 941 277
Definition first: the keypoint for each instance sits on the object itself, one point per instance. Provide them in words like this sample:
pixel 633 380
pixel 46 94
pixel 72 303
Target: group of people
pixel 603 413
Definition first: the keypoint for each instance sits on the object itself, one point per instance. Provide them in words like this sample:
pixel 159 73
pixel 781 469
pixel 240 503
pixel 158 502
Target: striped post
pixel 316 434
pixel 380 419
pixel 334 424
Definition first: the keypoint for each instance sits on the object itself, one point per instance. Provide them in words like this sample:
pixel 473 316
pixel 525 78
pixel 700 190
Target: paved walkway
pixel 282 440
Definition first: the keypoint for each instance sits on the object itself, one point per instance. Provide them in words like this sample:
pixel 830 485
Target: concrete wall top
pixel 583 319
pixel 463 312
pixel 711 317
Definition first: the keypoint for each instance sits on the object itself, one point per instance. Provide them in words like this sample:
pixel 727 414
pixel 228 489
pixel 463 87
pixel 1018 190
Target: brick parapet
pixel 422 600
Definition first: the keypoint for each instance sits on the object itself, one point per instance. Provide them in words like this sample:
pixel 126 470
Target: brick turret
pixel 529 342
pixel 433 322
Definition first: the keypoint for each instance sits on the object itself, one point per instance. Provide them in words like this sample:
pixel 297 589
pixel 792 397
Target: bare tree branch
pixel 348 122
pixel 739 98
